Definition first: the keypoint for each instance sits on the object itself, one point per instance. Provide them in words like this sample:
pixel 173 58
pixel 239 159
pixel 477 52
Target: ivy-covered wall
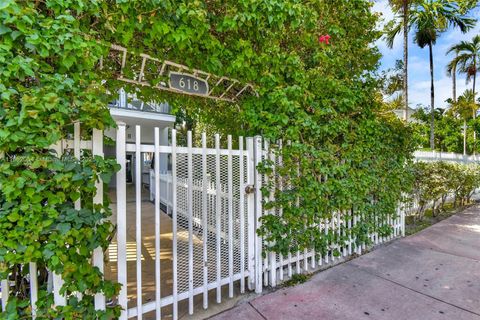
pixel 321 95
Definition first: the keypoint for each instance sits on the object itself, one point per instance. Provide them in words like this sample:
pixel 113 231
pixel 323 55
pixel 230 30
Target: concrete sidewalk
pixel 434 274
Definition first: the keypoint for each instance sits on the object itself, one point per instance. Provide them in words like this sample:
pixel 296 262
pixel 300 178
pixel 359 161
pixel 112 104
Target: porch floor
pixel 148 259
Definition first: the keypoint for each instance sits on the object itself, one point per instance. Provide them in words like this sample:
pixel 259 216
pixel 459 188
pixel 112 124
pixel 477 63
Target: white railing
pixel 444 156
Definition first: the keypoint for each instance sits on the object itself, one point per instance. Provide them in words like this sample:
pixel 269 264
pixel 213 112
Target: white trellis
pixel 152 72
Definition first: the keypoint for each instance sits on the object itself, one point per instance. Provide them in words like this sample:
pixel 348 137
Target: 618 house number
pixel 188 83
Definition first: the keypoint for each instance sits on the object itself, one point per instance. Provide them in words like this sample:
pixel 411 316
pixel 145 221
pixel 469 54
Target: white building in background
pixel 133 112
pixel 400 114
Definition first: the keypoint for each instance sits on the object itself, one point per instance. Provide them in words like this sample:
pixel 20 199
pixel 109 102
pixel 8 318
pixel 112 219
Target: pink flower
pixel 324 39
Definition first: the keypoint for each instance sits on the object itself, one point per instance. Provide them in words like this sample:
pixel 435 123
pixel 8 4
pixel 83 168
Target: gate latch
pixel 249 189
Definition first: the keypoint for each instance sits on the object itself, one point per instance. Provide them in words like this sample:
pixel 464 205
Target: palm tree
pixel 466 60
pixel 401 7
pixel 464 108
pixel 430 18
pixel 452 72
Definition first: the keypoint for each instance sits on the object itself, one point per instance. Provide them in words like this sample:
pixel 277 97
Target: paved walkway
pixel 434 274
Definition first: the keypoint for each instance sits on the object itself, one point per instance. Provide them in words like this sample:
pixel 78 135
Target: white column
pixel 97 150
pixel 164 156
pixel 122 220
pixel 122 98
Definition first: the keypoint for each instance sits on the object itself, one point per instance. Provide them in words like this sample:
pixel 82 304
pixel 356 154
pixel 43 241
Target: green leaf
pixel 4 29
pixel 64 227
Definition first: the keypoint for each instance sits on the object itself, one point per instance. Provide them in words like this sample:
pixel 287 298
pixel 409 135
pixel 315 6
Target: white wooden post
pixel 242 214
pixel 289 257
pixel 174 224
pixel 97 150
pixel 76 144
pixel 334 229
pixel 77 141
pixel 320 227
pixel 204 219
pixel 5 293
pixel 395 223
pixel 297 204
pixel 266 264
pixel 218 217
pixel 258 215
pixel 138 218
pixel 230 215
pixel 358 245
pixel 33 288
pixel 190 222
pixel 363 243
pixel 326 234
pixel 342 217
pixel 164 156
pixel 273 257
pixel 158 284
pixel 349 226
pixel 58 299
pixel 122 219
pixel 280 209
pixel 251 214
pixel 4 283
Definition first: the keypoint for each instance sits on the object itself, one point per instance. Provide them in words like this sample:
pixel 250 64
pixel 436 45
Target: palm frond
pixel 391 34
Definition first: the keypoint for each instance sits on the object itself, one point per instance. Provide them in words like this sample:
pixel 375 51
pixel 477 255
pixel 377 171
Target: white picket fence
pixel 55 281
pixel 205 194
pixel 213 195
pixel 429 156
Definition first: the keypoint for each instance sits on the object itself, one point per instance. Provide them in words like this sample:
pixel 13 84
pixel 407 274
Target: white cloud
pixel 419 92
pixel 381 6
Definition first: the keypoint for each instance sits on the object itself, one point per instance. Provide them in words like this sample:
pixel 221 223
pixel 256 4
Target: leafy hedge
pixel 47 83
pixel 437 182
pixel 347 153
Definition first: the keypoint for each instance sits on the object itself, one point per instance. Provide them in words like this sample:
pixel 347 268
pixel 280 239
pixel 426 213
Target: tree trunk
pixel 405 58
pixel 464 137
pixel 474 109
pixel 454 80
pixel 432 102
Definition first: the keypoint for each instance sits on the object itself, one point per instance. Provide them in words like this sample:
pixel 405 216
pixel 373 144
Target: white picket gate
pixel 204 195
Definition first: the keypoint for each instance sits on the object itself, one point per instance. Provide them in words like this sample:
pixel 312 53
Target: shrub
pixel 436 182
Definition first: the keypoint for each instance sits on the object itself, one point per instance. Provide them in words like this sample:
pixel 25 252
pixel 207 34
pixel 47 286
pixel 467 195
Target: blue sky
pixel 419 70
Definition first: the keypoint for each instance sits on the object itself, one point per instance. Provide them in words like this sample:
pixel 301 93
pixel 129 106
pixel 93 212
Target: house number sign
pixel 188 83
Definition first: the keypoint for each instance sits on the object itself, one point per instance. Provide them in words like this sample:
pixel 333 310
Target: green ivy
pixel 347 154
pixel 47 82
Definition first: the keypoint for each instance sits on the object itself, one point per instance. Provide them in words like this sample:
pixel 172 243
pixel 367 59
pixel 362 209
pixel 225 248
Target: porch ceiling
pixel 146 120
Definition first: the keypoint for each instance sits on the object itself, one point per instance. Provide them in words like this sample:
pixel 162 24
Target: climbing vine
pixel 314 67
pixel 347 154
pixel 48 82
